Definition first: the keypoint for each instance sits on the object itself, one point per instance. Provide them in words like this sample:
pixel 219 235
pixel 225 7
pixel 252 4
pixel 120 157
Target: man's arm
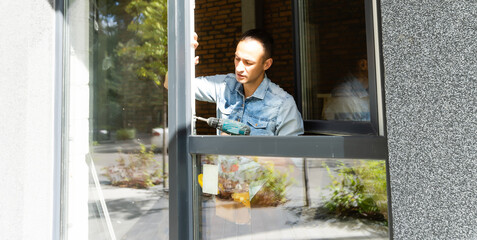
pixel 205 87
pixel 208 88
pixel 289 121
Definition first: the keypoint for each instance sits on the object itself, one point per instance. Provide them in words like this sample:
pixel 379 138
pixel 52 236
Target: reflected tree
pixel 149 48
pixel 129 45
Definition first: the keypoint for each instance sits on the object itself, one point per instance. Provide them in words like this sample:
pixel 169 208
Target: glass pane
pixel 242 79
pixel 118 52
pixel 333 56
pixel 292 198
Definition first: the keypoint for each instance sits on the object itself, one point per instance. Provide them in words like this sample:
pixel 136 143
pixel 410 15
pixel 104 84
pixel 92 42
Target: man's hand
pixel 195 44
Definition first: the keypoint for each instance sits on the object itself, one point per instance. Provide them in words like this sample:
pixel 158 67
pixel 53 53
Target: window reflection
pixel 294 198
pixel 128 61
pixel 129 43
pixel 349 101
pixel 334 67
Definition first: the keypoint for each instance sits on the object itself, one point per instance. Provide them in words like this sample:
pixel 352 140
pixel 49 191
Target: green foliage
pixel 149 48
pixel 125 134
pixel 359 190
pixel 373 175
pixel 129 62
pixel 273 192
pixel 140 170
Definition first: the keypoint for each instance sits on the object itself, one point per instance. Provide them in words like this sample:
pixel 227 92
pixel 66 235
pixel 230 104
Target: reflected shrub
pixel 273 192
pixel 373 175
pixel 125 134
pixel 139 170
pixel 359 190
pixel 250 180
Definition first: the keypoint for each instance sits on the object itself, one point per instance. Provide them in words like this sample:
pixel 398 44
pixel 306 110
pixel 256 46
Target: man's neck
pixel 250 88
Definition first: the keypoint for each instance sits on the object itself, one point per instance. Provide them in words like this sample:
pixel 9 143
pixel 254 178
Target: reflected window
pixel 286 198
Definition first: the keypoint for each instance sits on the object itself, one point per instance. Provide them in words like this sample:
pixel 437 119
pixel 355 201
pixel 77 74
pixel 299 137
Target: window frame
pixel 184 146
pixel 60 120
pixel 376 124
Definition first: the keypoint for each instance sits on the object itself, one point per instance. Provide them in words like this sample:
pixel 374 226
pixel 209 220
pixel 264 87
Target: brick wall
pixel 277 21
pixel 218 24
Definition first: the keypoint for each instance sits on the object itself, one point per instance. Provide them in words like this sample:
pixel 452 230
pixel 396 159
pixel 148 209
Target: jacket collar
pixel 259 92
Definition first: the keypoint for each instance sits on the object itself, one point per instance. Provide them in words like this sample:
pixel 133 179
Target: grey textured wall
pixel 430 61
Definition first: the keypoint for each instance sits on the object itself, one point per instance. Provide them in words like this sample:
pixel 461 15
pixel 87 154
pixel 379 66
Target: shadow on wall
pixel 51 2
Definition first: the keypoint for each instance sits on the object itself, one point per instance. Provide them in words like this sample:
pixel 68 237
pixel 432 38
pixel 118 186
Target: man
pixel 248 96
pixel 350 100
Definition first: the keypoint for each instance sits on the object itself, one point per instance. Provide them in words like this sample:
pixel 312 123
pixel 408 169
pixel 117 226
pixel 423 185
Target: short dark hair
pixel 261 36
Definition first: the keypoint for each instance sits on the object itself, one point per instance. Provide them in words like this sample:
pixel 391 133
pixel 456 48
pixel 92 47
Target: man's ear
pixel 268 64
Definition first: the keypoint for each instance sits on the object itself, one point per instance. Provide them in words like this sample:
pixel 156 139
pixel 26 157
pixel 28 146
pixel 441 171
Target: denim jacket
pixel 269 111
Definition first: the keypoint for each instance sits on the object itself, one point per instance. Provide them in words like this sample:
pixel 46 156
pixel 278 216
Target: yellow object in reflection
pixel 199 178
pixel 242 198
pixel 201 183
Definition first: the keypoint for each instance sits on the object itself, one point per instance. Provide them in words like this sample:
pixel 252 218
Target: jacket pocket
pixel 258 124
pixel 260 127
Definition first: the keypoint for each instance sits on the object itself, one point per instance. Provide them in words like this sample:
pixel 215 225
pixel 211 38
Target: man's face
pixel 250 64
